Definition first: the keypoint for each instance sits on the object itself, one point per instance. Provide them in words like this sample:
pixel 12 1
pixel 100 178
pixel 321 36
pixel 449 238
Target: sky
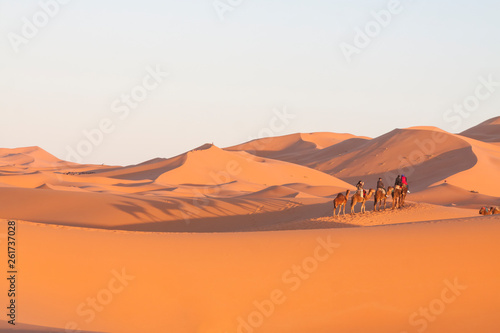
pixel 121 82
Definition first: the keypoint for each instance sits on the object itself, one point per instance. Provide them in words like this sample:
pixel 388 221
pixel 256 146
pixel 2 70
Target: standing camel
pixel 404 192
pixel 396 197
pixel 381 196
pixel 490 211
pixel 357 198
pixel 340 201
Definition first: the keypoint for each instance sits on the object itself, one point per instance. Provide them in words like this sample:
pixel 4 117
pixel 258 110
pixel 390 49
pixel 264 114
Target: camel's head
pixel 482 211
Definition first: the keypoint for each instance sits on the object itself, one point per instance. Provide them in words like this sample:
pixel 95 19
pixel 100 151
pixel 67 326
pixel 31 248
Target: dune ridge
pixel 487 131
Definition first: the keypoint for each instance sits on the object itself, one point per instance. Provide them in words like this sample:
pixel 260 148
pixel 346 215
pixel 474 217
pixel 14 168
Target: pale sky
pixel 66 65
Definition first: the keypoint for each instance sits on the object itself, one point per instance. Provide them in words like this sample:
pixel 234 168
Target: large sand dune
pixel 240 239
pixel 427 156
pixel 488 131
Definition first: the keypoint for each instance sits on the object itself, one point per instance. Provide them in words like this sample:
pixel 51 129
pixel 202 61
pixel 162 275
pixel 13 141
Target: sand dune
pixel 483 176
pixel 450 195
pixel 203 241
pixel 488 131
pixel 293 142
pixel 103 210
pixel 211 183
pixel 218 282
pixel 211 165
pixel 28 156
pixel 424 155
pixel 148 170
pixel 427 155
pixel 304 149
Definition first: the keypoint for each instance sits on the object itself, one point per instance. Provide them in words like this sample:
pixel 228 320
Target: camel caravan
pixel 398 193
pixel 489 211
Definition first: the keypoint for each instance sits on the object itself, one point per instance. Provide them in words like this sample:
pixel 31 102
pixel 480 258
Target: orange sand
pixel 234 240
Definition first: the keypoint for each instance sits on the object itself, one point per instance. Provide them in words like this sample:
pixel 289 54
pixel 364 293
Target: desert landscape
pixel 244 239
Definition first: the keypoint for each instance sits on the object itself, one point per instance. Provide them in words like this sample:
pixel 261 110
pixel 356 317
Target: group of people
pixel 401 181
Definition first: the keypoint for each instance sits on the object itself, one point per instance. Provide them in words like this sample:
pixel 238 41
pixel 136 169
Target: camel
pixel 380 196
pixel 490 211
pixel 404 192
pixel 357 198
pixel 340 201
pixel 390 191
pixel 396 197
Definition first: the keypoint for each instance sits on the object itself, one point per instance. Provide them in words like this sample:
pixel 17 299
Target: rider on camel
pixel 404 182
pixel 398 182
pixel 359 186
pixel 380 185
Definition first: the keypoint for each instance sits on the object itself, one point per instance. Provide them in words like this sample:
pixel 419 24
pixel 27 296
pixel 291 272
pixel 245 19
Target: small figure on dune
pixel 340 201
pixel 489 211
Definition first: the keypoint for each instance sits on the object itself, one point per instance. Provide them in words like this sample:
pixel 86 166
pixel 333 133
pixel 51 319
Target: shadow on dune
pixel 29 328
pixel 136 210
pixel 289 219
pixel 312 156
pixel 147 170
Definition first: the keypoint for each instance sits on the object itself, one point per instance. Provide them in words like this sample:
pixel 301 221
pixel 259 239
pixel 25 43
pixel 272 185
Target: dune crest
pixel 28 157
pixel 214 166
pixel 487 131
